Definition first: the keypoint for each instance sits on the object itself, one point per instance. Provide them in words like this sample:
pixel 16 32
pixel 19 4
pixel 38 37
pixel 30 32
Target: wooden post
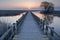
pixel 46 31
pixel 15 28
pixel 16 22
pixel 52 31
pixel 42 24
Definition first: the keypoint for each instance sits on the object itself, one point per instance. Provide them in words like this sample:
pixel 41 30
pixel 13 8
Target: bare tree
pixel 48 6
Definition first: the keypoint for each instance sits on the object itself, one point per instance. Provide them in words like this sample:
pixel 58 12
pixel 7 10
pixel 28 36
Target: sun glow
pixel 30 5
pixel 23 5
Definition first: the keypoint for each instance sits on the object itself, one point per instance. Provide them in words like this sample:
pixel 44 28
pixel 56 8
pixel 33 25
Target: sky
pixel 16 4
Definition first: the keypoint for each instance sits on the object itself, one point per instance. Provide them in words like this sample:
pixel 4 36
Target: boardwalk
pixel 30 27
pixel 29 30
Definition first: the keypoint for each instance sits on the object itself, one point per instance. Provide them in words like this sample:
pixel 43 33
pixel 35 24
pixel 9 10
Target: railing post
pixel 15 28
pixel 42 24
pixel 16 23
pixel 46 30
pixel 52 31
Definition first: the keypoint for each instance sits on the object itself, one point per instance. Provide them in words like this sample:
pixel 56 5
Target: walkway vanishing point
pixel 29 30
pixel 29 27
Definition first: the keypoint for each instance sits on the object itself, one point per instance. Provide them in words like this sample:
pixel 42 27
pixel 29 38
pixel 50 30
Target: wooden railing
pixel 9 34
pixel 49 31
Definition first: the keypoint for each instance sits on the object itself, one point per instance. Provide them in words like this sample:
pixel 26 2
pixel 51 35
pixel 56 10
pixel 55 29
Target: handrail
pixel 8 35
pixel 52 32
pixel 5 34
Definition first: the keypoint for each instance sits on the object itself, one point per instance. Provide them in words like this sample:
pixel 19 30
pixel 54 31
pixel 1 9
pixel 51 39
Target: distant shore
pixel 17 12
pixel 10 12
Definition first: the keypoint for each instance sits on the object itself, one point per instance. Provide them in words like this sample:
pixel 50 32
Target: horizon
pixel 55 8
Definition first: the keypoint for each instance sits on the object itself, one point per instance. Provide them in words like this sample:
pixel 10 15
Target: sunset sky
pixel 15 4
